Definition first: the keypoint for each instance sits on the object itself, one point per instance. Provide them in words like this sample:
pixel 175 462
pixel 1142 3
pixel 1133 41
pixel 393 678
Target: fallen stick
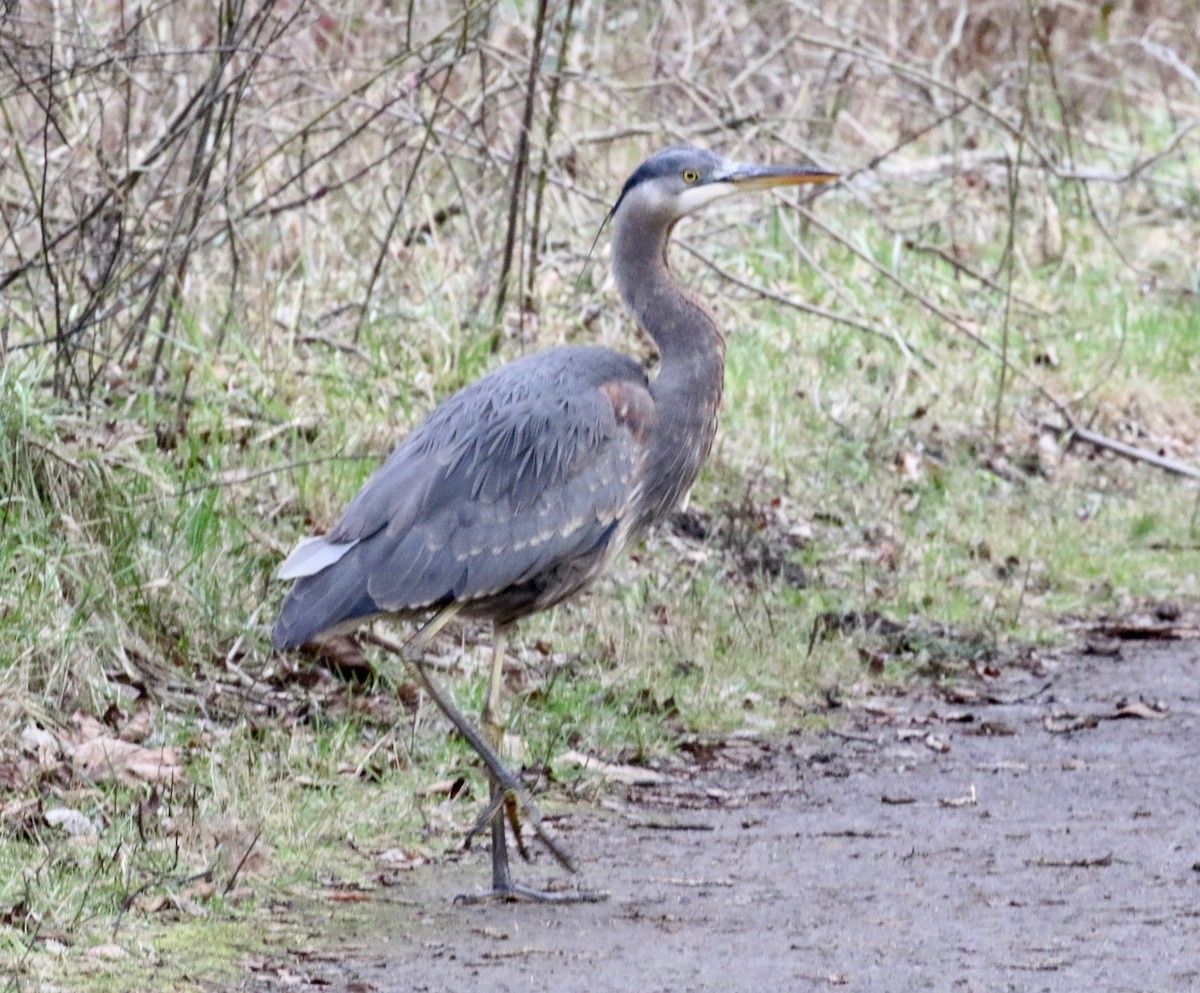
pixel 1098 440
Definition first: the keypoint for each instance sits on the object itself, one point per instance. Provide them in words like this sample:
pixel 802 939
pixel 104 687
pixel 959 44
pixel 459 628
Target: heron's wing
pixel 535 485
pixel 514 476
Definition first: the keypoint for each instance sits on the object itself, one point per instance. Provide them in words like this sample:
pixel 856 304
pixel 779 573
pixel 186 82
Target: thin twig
pixel 1094 438
pixel 519 169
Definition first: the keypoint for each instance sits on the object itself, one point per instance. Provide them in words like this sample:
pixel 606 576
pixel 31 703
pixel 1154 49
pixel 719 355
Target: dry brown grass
pixel 210 205
pixel 244 166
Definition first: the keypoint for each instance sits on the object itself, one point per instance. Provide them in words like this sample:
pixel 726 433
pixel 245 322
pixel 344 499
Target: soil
pixel 1035 829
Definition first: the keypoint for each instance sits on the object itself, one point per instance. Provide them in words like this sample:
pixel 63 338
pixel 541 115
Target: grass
pixel 141 523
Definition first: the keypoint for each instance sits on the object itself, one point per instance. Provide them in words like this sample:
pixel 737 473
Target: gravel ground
pixel 1035 830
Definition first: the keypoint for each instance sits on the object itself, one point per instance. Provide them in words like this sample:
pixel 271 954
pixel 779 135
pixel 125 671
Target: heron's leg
pixel 503 803
pixel 506 788
pixel 412 652
pixel 492 725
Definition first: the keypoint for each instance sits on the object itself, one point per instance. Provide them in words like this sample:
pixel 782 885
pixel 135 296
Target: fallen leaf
pixel 909 464
pixel 936 743
pixel 970 800
pixel 887 556
pixel 187 906
pixel 97 755
pixel 443 787
pixel 629 775
pixel 201 890
pixel 398 858
pixel 1139 710
pixel 108 952
pixel 1066 723
pixel 241 846
pixel 71 821
pixel 22 816
pixel 110 758
pixel 39 743
pixel 140 726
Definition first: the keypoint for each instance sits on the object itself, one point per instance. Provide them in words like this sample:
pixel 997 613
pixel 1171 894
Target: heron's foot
pixel 513 798
pixel 516 893
pixel 503 807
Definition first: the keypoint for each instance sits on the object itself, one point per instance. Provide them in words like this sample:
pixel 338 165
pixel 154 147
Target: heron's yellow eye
pixel 690 175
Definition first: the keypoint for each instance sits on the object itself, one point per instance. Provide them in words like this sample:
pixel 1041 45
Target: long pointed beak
pixel 760 177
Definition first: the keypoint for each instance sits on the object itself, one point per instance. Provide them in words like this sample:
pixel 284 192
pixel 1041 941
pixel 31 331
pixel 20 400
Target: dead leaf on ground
pixel 1139 710
pixel 629 775
pixel 109 953
pixel 1062 723
pixel 398 858
pixel 72 821
pixel 200 890
pixel 98 756
pixel 970 800
pixel 343 656
pixel 40 743
pixel 140 726
pixel 240 846
pixel 443 787
pixel 21 817
pixel 936 743
pixel 150 903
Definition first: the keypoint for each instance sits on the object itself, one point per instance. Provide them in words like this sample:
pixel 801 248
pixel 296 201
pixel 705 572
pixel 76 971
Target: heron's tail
pixel 321 605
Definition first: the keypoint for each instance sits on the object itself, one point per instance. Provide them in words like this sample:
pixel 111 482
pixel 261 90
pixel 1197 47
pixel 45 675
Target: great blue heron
pixel 517 491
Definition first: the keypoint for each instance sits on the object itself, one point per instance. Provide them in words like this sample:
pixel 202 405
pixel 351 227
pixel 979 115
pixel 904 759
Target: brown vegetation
pixel 244 164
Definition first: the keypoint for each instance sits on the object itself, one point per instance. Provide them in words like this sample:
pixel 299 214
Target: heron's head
pixel 677 181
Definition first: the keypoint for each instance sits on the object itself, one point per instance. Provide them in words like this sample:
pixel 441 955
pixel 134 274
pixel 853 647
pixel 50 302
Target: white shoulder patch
pixel 311 556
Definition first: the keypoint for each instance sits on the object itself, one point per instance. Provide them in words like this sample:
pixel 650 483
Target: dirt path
pixel 857 860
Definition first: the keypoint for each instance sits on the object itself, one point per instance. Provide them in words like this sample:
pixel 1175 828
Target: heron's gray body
pixel 509 497
pixel 517 491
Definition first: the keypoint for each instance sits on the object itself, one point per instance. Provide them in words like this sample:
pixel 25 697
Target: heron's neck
pixel 687 390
